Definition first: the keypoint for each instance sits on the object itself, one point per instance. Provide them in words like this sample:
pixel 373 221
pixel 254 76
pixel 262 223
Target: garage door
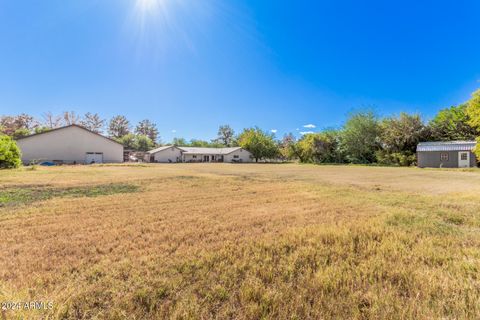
pixel 94 157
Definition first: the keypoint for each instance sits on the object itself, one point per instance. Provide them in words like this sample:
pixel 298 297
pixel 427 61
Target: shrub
pixel 9 153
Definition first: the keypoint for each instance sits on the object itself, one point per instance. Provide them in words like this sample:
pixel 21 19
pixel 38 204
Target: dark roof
pixel 72 125
pixel 447 146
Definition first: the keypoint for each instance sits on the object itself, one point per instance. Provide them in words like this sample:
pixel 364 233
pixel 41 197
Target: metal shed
pixel 446 154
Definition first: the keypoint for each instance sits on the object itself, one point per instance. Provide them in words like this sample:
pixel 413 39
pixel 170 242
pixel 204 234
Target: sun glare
pixel 157 26
pixel 150 6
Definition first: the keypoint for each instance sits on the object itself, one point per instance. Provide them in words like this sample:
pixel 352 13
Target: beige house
pixel 70 144
pixel 172 154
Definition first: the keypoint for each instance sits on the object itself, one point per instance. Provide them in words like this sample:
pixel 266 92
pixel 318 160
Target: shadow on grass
pixel 25 195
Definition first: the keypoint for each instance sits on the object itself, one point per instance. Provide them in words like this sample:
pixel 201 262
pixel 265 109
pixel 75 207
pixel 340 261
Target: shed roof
pixel 446 146
pixel 195 150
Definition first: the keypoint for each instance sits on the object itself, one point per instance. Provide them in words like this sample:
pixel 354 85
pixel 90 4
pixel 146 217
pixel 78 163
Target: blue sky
pixel 192 65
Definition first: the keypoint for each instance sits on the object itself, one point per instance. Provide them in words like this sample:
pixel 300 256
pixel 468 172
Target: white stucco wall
pixel 173 154
pixel 69 145
pixel 190 158
pixel 242 154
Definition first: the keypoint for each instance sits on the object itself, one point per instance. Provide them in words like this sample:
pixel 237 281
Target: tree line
pixel 365 138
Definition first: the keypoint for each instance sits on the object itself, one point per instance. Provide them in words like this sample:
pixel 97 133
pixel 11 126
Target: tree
pixel 8 125
pixel 70 117
pixel 10 156
pixel 452 124
pixel 260 143
pixel 359 139
pixel 143 143
pixel 25 121
pixel 179 142
pixel 51 121
pixel 129 141
pixel 199 143
pixel 473 112
pixel 41 129
pixel 399 139
pixel 322 147
pixel 225 136
pixel 93 122
pixel 20 133
pixel 147 128
pixel 118 127
pixel 288 147
pixel 19 125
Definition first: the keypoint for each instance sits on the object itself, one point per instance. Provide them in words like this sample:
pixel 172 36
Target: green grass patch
pixel 19 196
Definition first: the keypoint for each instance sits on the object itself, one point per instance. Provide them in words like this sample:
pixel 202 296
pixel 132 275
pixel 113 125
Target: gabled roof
pixel 447 146
pixel 160 149
pixel 65 127
pixel 221 151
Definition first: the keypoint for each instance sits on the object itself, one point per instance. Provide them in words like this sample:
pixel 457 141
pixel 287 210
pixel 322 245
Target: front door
pixel 94 157
pixel 464 159
pixel 206 159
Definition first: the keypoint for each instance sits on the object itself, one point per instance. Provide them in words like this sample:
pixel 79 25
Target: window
pixel 236 156
pixel 444 156
pixel 464 156
pixel 194 157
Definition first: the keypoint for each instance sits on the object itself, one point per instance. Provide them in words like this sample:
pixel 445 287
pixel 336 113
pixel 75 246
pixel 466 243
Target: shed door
pixel 464 159
pixel 94 157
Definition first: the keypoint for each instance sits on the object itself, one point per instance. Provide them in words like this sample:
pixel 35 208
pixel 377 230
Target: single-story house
pixel 69 145
pixel 196 154
pixel 449 154
pixel 166 154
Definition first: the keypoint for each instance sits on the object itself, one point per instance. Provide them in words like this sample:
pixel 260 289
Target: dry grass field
pixel 219 241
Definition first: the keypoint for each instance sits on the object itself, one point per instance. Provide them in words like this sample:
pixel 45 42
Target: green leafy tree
pixel 359 139
pixel 399 139
pixel 118 127
pixel 10 156
pixel 453 124
pixel 326 147
pixel 181 142
pixel 261 144
pixel 204 144
pixel 322 147
pixel 143 143
pixel 473 112
pixel 147 128
pixel 225 136
pixel 129 141
pixel 20 133
pixel 41 129
pixel 198 143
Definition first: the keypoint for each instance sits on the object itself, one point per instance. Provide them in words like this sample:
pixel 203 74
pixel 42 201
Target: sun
pixel 149 5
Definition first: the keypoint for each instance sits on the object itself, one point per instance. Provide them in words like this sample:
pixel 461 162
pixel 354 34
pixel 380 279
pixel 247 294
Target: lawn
pixel 203 241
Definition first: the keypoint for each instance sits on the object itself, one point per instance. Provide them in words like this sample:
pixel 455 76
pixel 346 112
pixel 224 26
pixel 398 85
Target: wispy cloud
pixel 306 132
pixel 174 131
pixel 310 126
pixel 274 130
